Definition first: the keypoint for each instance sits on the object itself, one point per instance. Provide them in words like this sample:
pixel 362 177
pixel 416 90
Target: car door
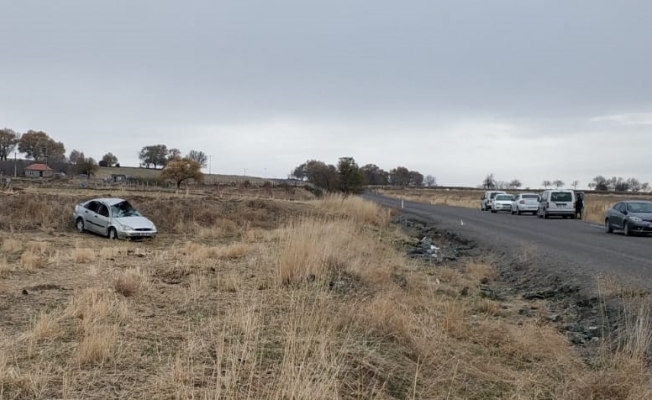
pixel 90 210
pixel 102 219
pixel 616 215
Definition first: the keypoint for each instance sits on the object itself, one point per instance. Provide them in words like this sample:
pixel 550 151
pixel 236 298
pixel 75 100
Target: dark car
pixel 630 216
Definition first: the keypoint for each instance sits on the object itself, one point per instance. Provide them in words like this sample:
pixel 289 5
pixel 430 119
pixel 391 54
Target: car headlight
pixel 635 219
pixel 127 228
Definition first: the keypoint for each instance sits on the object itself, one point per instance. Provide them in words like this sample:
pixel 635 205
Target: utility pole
pixel 210 161
pixel 15 163
pixel 245 172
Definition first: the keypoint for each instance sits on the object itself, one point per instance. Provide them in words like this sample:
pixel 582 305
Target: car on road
pixel 525 203
pixel 557 202
pixel 487 199
pixel 630 216
pixel 502 202
pixel 114 218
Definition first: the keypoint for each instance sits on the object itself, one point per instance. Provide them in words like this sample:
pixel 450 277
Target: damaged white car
pixel 114 218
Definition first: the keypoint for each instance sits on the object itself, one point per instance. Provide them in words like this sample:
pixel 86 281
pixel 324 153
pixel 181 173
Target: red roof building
pixel 38 171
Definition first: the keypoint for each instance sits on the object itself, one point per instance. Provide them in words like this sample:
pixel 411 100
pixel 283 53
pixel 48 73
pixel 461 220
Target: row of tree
pixel 330 177
pixel 600 183
pixel 40 147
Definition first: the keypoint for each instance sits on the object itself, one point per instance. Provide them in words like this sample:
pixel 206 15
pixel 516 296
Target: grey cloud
pixel 219 74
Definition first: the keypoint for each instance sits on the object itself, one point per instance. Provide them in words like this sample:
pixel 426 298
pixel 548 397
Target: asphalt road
pixel 562 244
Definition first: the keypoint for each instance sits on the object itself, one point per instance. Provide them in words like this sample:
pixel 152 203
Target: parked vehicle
pixel 502 202
pixel 630 216
pixel 557 202
pixel 487 198
pixel 525 202
pixel 114 218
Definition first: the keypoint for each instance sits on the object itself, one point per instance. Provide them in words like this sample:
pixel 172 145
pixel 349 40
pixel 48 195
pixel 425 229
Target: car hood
pixel 136 222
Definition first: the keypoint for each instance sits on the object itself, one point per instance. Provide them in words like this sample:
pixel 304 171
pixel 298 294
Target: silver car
pixel 112 217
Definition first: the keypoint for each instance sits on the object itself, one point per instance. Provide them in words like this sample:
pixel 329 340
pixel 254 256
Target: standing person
pixel 579 206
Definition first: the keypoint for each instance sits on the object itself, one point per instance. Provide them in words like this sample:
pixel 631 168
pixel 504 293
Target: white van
pixel 559 202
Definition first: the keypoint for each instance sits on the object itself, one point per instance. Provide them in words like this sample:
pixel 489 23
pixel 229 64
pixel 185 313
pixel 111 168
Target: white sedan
pixel 502 202
pixel 114 218
pixel 525 203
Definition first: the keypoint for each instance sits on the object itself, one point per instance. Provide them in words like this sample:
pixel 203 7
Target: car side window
pixel 92 206
pixel 618 207
pixel 102 210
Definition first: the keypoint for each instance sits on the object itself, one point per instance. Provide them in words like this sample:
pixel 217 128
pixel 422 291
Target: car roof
pixel 108 200
pixel 636 201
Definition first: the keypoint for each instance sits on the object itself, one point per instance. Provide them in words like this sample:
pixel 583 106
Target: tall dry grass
pixel 319 305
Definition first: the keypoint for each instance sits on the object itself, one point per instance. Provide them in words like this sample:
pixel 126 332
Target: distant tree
pixel 546 184
pixel 574 184
pixel 489 182
pixel 645 187
pixel 109 159
pixel 180 170
pixel 416 178
pixel 174 154
pixel 8 142
pixel 558 183
pixel 618 184
pixel 430 181
pixel 86 166
pixel 634 184
pixel 154 155
pixel 600 183
pixel 40 147
pixel 74 156
pixel 374 175
pixel 350 177
pixel 399 176
pixel 502 185
pixel 515 184
pixel 319 174
pixel 198 156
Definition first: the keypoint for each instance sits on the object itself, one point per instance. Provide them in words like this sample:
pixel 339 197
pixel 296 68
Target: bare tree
pixel 198 156
pixel 558 183
pixel 546 184
pixel 8 142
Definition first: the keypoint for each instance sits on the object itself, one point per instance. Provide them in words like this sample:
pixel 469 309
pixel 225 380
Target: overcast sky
pixel 458 89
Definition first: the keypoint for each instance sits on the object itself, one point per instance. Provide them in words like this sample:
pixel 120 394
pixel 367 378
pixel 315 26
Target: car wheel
pixel 113 234
pixel 607 226
pixel 79 224
pixel 626 230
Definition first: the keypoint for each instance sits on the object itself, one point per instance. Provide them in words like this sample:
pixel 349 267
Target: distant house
pixel 39 171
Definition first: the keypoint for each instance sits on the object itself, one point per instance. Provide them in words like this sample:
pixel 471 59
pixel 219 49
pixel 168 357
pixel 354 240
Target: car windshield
pixel 504 197
pixel 561 196
pixel 639 207
pixel 124 209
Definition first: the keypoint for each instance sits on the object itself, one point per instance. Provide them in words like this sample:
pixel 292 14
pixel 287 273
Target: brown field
pixel 251 298
pixel 594 209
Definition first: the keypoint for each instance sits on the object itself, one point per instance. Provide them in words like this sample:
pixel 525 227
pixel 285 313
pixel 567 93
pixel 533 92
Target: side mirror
pixel 624 212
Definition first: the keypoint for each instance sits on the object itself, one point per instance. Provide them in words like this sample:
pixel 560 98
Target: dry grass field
pixel 594 209
pixel 242 298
